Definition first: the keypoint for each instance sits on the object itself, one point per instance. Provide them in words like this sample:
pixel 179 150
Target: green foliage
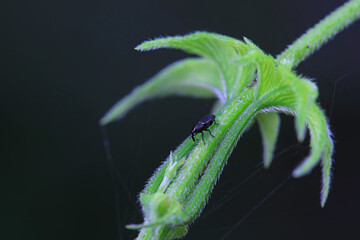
pixel 269 127
pixel 189 77
pixel 248 84
pixel 192 170
pixel 160 209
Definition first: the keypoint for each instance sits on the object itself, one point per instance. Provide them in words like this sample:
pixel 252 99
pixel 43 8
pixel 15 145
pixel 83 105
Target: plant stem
pixel 196 202
pixel 322 32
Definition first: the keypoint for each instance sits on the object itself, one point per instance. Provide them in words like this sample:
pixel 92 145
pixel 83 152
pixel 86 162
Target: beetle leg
pixel 203 137
pixel 209 132
pixel 193 137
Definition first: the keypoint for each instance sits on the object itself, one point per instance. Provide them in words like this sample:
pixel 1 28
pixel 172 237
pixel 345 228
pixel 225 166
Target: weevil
pixel 203 125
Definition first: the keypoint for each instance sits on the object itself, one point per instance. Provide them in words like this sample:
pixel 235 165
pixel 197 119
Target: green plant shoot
pixel 249 85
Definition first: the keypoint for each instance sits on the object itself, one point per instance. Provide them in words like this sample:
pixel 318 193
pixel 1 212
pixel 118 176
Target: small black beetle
pixel 203 125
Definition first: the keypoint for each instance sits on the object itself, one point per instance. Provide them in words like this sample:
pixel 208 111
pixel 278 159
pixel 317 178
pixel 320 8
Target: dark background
pixel 63 64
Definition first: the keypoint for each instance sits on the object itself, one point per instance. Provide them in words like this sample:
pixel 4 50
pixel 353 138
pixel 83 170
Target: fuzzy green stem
pixel 155 181
pixel 322 32
pixel 188 176
pixel 203 165
pixel 196 202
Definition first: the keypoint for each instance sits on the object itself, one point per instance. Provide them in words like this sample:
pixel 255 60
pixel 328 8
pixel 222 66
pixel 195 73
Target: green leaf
pixel 176 232
pixel 282 90
pixel 219 48
pixel 164 217
pixel 216 106
pixel 326 167
pixel 306 93
pixel 210 45
pixel 269 76
pixel 191 77
pixel 170 172
pixel 321 147
pixel 274 79
pixel 269 124
pixel 318 131
pixel 159 209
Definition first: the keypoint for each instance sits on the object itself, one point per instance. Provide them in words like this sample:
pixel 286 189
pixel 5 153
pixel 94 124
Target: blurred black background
pixel 63 65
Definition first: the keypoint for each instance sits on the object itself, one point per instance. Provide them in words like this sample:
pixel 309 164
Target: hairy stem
pixel 322 32
pixel 197 201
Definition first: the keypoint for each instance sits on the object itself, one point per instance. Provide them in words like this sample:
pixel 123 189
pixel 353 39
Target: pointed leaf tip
pixel 149 45
pixel 303 169
pixel 251 44
pixel 300 129
pixel 326 168
pixel 269 124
